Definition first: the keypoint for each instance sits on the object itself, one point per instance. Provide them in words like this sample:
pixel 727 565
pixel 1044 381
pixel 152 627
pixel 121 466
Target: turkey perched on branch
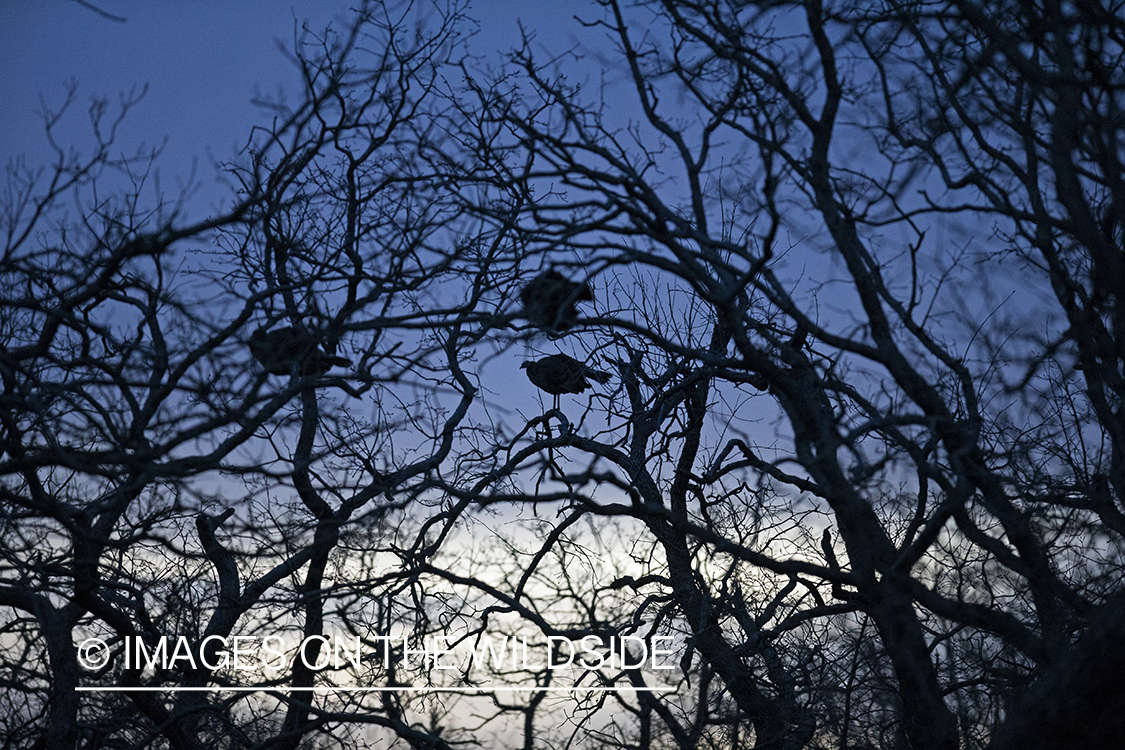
pixel 549 300
pixel 287 348
pixel 558 374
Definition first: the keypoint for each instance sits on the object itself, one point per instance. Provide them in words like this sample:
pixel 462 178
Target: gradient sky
pixel 203 62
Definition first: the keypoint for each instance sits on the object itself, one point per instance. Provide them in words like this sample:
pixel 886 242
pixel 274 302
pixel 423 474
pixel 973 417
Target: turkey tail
pixel 598 375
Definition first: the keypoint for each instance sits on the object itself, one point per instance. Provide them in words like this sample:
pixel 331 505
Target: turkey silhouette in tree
pixel 287 349
pixel 549 301
pixel 559 374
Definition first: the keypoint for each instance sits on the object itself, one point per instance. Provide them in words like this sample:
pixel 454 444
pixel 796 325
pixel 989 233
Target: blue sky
pixel 203 62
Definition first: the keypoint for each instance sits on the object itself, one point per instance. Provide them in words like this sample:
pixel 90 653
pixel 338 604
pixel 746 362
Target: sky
pixel 203 63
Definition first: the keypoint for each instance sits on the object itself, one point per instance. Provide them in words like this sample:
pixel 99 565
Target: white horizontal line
pixel 403 689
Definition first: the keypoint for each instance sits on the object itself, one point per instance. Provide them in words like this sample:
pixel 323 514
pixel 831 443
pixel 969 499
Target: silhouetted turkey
pixel 549 300
pixel 287 348
pixel 559 374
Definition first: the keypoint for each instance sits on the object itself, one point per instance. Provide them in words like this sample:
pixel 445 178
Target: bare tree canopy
pixel 854 479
